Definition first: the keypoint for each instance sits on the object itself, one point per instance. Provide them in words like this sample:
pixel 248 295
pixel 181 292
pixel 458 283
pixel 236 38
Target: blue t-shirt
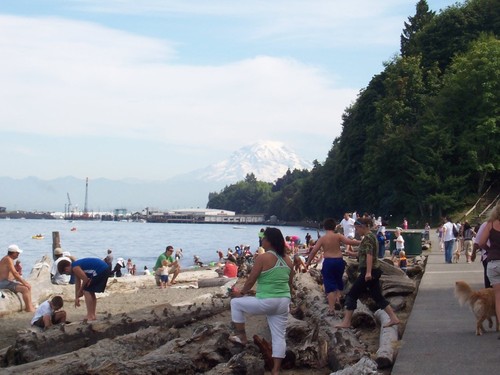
pixel 91 266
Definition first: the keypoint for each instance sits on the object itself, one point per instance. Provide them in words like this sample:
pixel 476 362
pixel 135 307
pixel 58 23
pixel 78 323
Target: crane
pixel 69 203
pixel 85 208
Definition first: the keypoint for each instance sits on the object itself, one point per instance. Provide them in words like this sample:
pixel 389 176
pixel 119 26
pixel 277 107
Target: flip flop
pixel 331 313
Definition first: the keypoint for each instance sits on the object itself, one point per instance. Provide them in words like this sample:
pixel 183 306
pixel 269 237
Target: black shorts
pixel 41 324
pixel 98 283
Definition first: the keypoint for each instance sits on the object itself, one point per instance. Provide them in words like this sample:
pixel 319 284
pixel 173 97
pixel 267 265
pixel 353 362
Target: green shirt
pixel 369 245
pixel 273 283
pixel 161 258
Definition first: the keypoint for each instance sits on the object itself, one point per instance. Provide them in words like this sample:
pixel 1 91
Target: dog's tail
pixel 463 292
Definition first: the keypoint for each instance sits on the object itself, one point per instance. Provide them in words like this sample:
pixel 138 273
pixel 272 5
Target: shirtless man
pixel 10 278
pixel 333 264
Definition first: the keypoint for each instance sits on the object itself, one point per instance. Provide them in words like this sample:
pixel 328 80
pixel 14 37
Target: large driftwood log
pixel 149 351
pixel 395 285
pixel 121 348
pixel 388 341
pixel 388 268
pixel 41 288
pixel 33 346
pixel 363 317
pixel 310 305
pixel 216 281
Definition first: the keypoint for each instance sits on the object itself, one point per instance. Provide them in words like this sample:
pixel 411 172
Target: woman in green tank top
pixel 273 272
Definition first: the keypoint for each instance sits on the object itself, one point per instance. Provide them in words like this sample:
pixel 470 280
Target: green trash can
pixel 413 241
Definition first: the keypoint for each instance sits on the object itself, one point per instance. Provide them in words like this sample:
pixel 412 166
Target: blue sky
pixel 153 88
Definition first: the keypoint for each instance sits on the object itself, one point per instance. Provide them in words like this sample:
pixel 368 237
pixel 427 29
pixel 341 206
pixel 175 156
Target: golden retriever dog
pixel 456 256
pixel 481 302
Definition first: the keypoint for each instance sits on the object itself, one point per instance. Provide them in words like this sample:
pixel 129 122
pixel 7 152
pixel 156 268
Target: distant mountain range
pixel 265 159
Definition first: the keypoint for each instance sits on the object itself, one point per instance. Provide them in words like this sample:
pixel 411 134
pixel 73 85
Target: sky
pixel 151 89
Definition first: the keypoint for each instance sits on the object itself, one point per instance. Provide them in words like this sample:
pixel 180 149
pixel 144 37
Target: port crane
pixel 69 204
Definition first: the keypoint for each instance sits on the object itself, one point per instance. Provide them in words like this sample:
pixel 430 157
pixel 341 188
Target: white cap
pixel 66 254
pixel 58 251
pixel 14 249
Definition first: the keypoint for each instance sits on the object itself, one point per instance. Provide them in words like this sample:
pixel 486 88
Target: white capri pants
pixel 276 311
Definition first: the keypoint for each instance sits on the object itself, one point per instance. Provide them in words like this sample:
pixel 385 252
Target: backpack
pixel 455 231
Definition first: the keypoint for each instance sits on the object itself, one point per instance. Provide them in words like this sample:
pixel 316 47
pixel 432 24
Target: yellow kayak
pixel 38 237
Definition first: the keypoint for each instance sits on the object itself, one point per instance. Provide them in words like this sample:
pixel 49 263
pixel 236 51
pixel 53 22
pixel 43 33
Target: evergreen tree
pixel 416 23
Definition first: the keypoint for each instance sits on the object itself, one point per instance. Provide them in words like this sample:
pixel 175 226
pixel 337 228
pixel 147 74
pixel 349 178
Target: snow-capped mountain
pixel 267 160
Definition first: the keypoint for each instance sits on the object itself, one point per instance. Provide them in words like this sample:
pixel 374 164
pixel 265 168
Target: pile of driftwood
pixel 148 341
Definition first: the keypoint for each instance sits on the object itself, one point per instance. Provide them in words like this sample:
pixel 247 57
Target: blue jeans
pixel 448 250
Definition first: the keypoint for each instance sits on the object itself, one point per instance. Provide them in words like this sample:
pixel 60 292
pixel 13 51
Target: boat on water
pixel 238 227
pixel 38 237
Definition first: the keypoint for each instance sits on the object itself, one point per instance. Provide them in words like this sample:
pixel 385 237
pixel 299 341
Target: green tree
pixel 416 23
pixel 469 104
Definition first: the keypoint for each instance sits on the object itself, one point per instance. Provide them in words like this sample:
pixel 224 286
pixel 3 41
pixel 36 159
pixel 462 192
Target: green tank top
pixel 273 283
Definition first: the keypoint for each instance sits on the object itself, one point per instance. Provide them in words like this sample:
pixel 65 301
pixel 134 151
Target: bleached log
pixel 41 288
pixel 217 281
pixel 363 317
pixel 386 352
pixel 395 285
pixel 340 345
pixel 389 269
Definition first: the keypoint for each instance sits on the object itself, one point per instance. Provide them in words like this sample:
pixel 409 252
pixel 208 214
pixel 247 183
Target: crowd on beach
pixel 272 267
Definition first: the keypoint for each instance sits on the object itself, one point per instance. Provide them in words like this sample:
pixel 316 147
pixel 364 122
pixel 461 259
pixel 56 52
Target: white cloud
pixel 68 78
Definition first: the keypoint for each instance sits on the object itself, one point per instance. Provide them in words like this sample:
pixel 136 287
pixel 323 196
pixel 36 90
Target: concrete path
pixel 440 334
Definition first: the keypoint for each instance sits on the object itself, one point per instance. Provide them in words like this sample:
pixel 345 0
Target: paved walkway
pixel 440 334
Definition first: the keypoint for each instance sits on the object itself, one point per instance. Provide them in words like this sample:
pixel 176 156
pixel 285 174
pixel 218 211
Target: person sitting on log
pixel 10 278
pixel 49 313
pixel 333 263
pixel 273 272
pixel 369 275
pixel 91 277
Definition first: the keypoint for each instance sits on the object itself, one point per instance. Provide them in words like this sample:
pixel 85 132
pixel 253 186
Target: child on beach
pixel 400 244
pixel 403 262
pixel 49 313
pixel 164 274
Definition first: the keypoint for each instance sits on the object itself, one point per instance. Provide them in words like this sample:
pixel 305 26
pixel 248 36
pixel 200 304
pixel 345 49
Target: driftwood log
pixel 41 288
pixel 363 317
pixel 33 346
pixel 386 352
pixel 216 281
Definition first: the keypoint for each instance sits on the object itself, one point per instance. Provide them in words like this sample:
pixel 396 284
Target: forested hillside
pixel 421 139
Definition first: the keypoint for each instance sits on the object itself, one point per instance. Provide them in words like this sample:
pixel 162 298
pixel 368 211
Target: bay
pixel 141 242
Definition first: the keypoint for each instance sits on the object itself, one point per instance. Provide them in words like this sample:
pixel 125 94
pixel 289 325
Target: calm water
pixel 142 242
